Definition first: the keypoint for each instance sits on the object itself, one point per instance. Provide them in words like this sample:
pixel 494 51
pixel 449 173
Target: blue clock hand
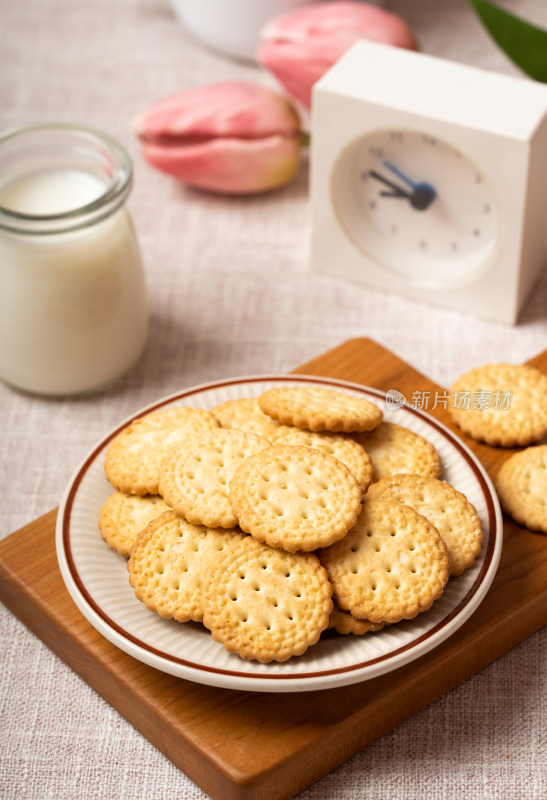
pixel 423 194
pixel 396 171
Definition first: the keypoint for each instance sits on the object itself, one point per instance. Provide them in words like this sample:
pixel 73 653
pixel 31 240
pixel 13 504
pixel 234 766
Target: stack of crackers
pixel 272 518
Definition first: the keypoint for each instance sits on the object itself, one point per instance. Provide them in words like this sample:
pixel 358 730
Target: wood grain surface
pixel 259 746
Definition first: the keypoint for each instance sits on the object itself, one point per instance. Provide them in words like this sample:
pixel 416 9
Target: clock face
pixel 417 207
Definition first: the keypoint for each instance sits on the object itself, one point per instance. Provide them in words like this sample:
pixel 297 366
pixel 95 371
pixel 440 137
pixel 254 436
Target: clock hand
pixel 404 195
pixel 396 171
pixel 420 198
pixel 423 193
pixel 397 191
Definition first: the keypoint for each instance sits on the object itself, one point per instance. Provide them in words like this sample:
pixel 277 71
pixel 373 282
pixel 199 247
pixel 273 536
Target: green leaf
pixel 525 44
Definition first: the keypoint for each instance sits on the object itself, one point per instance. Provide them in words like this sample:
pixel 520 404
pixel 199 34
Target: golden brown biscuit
pixel 446 508
pixel 316 408
pixel 392 565
pixel 345 623
pixel 124 516
pixel 394 449
pixel 133 458
pixel 265 604
pixel 246 415
pixel 294 498
pixel 168 562
pixel 194 478
pixel 521 484
pixel 340 446
pixel 501 404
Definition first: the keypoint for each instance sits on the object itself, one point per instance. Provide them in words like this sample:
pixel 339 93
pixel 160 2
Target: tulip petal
pixel 232 109
pixel 299 47
pixel 229 166
pixel 324 19
pixel 298 67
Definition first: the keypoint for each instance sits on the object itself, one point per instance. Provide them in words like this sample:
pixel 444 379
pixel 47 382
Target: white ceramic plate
pixel 97 579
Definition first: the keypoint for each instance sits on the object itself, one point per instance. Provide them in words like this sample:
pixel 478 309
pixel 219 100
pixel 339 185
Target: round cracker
pixel 501 404
pixel 345 623
pixel 124 516
pixel 394 449
pixel 168 562
pixel 447 509
pixel 316 408
pixel 194 478
pixel 133 458
pixel 294 497
pixel 521 484
pixel 342 447
pixel 265 604
pixel 245 414
pixel 391 566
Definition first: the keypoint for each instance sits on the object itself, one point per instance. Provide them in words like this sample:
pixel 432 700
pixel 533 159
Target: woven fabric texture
pixel 231 294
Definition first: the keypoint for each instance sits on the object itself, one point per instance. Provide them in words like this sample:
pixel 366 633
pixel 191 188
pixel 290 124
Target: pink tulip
pixel 233 138
pixel 299 47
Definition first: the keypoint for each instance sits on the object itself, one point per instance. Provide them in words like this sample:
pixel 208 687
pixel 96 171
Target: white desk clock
pixel 430 178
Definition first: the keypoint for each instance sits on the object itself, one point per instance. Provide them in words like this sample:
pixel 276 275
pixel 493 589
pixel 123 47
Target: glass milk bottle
pixel 73 315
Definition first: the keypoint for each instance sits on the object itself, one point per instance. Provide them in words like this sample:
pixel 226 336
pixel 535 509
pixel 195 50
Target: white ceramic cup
pixel 231 26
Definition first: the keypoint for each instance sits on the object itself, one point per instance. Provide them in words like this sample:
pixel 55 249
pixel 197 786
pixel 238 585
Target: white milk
pixel 73 315
pixel 51 191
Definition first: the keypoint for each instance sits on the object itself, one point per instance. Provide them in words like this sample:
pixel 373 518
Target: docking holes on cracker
pixel 501 404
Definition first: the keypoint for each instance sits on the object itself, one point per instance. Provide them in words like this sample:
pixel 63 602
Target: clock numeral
pixel 476 232
pixel 394 229
pixel 422 244
pixel 377 152
pixel 478 177
pixel 396 136
pixel 454 247
pixel 487 208
pixel 429 140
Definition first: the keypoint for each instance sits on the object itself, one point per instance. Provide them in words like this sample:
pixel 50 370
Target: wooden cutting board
pixel 259 746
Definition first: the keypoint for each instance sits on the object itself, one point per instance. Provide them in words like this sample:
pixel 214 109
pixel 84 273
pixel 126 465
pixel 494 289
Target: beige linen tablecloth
pixel 230 294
